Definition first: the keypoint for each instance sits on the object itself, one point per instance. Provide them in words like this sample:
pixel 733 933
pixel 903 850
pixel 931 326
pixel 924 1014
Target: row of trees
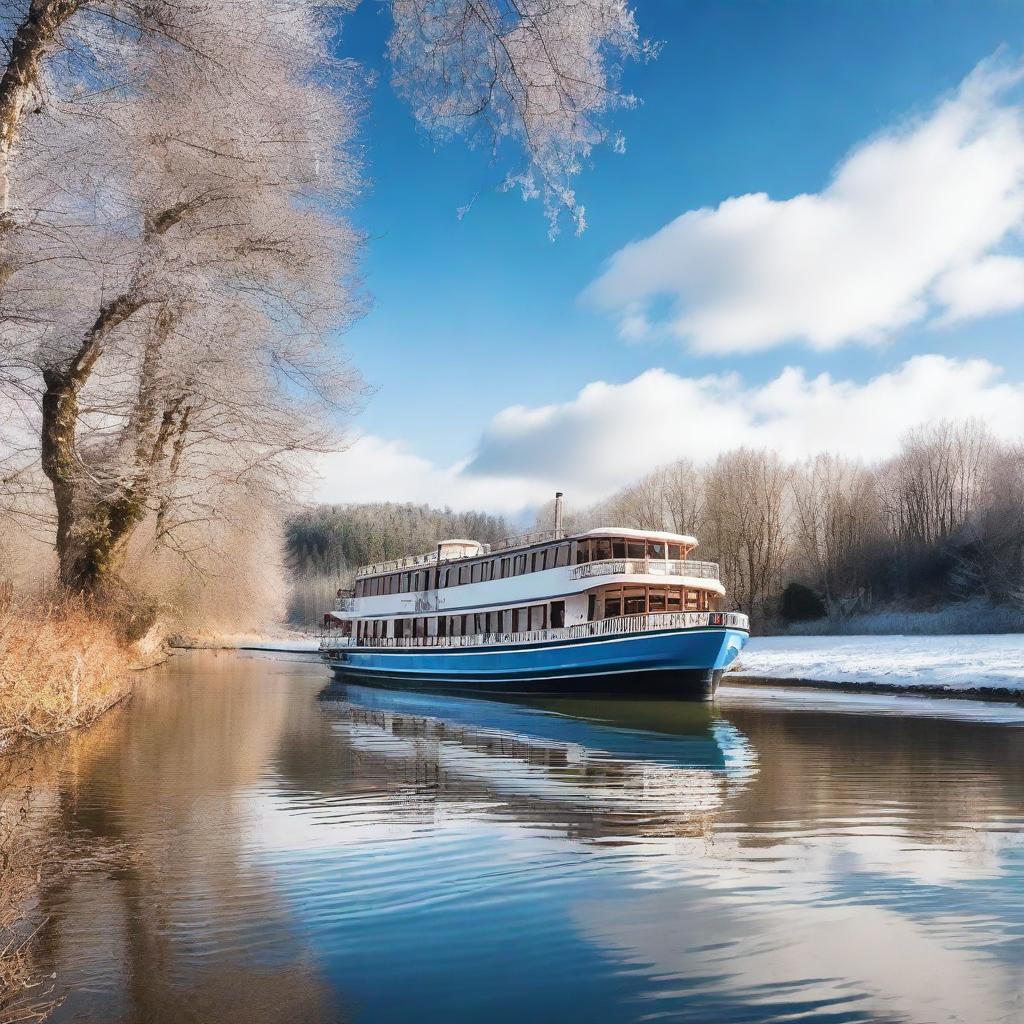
pixel 942 520
pixel 175 255
pixel 325 544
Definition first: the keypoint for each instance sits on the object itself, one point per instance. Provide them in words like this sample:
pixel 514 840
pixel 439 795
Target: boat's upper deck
pixel 521 574
pixel 627 543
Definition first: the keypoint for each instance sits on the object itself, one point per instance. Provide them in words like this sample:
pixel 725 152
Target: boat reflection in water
pixel 600 769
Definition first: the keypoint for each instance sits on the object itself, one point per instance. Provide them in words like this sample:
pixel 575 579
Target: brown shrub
pixel 61 667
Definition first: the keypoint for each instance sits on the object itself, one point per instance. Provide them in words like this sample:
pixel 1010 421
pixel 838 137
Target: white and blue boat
pixel 608 611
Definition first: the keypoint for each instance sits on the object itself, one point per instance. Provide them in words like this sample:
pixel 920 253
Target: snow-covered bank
pixel 982 664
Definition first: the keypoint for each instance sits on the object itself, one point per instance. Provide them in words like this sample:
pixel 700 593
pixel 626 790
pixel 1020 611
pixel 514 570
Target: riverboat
pixel 609 611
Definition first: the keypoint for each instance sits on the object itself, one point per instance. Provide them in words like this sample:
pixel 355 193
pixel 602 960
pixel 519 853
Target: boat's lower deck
pixel 675 662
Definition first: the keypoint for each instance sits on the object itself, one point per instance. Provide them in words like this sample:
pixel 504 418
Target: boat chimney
pixel 558 513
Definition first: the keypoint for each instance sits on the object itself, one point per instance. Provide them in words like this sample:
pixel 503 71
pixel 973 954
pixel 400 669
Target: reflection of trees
pixel 815 766
pixel 152 805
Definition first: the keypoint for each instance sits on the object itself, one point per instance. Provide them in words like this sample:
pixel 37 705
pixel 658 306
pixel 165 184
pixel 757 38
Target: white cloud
pixel 377 469
pixel 611 434
pixel 907 229
pixel 992 285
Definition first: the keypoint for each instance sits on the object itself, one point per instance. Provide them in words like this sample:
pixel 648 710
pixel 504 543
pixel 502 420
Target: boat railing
pixel 646 567
pixel 409 561
pixel 604 627
pixel 525 540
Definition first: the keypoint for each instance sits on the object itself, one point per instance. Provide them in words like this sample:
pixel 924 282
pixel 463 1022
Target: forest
pixel 940 525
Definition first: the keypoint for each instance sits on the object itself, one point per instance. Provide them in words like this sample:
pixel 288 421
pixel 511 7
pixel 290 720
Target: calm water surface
pixel 250 846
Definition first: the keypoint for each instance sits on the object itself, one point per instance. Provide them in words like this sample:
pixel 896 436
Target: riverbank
pixel 61 667
pixel 987 667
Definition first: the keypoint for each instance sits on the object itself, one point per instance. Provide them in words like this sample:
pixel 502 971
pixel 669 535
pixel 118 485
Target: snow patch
pixel 974 662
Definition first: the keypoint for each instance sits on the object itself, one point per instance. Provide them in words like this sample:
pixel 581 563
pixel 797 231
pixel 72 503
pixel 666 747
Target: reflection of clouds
pixel 864 960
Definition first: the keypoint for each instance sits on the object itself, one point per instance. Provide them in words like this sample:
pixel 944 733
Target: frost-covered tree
pixel 174 252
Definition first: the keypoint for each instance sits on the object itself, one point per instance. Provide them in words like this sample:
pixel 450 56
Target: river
pixel 248 843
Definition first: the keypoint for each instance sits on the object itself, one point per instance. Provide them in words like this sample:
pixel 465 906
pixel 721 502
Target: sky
pixel 811 240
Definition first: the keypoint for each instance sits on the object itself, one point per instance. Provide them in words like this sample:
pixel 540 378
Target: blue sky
pixel 472 316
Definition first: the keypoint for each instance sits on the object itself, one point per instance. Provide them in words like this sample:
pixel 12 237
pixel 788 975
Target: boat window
pixel 612 607
pixel 538 616
pixel 561 555
pixel 403 585
pixel 656 601
pixel 517 620
pixel 591 607
pixel 691 600
pixel 602 549
pixel 634 601
pixel 635 549
pixel 494 622
pixel 506 568
pixel 557 614
pixel 479 622
pixel 399 628
pixel 419 628
pixel 673 601
pixel 464 573
pixel 582 551
pixel 475 577
pixel 520 565
pixel 618 547
pixel 506 621
pixel 655 549
pixel 538 560
pixel 674 552
pixel 441 628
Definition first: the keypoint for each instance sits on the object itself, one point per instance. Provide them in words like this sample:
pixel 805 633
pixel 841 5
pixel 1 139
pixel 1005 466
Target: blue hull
pixel 685 663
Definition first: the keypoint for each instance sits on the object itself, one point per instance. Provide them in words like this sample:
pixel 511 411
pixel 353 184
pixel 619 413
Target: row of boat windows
pixel 499 567
pixel 605 603
pixel 510 620
pixel 626 600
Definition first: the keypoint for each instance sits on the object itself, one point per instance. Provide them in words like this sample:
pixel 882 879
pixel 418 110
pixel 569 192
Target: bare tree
pixel 747 523
pixel 933 485
pixel 174 260
pixel 836 525
pixel 178 277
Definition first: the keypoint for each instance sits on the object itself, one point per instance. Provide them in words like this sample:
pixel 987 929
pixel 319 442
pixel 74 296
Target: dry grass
pixel 61 667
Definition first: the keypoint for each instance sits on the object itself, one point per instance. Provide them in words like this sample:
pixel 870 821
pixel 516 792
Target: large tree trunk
pixel 81 541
